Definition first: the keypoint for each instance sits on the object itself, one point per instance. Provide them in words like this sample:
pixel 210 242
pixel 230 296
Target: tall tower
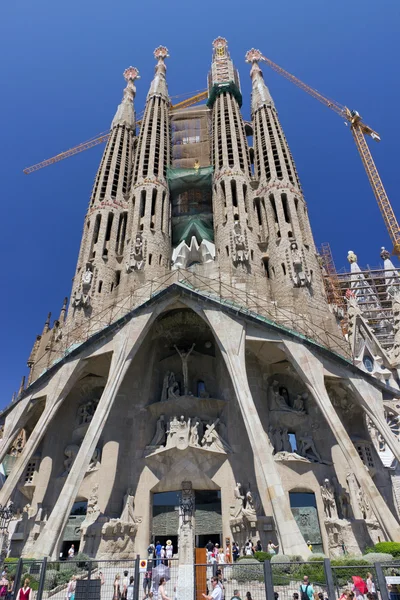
pixel 282 219
pixel 149 253
pixel 236 240
pixel 99 267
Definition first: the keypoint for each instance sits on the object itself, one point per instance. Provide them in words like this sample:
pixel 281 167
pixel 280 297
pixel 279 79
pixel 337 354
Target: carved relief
pixel 137 256
pixel 328 499
pixel 170 387
pixel 71 452
pixel 296 261
pixel 307 448
pixel 195 432
pixel 19 444
pixel 239 245
pixel 280 400
pixel 245 510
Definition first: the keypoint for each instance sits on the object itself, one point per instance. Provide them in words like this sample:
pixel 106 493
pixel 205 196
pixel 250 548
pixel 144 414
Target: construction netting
pixel 223 88
pixel 190 137
pixel 191 200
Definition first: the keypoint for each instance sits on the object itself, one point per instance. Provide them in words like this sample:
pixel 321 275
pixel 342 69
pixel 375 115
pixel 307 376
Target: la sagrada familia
pixel 200 386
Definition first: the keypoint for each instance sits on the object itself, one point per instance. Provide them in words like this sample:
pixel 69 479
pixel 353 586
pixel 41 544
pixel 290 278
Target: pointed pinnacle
pixel 131 73
pixel 253 55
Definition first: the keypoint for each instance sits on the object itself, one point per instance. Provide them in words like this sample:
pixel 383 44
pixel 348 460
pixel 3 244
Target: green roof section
pixel 197 226
pixel 222 88
pixel 183 178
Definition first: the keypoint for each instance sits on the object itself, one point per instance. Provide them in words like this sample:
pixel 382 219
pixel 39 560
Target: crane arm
pixel 103 137
pixel 359 129
pixel 376 183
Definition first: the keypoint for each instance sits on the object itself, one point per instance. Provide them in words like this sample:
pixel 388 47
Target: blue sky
pixel 61 75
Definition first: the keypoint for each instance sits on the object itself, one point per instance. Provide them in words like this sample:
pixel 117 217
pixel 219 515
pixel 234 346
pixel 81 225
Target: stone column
pixel 185 588
pixel 58 388
pixel 311 371
pixel 126 343
pixel 370 399
pixel 231 336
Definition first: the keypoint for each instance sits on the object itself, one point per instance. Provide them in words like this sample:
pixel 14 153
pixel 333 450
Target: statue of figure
pixel 185 370
pixel 194 433
pixel 286 445
pixel 86 412
pixel 127 515
pixel 237 508
pixel 94 463
pixel 183 433
pixel 308 449
pixel 278 401
pixel 18 444
pixel 344 503
pixel 87 276
pixel 173 387
pixel 136 259
pixel 240 253
pixel 164 393
pixel 276 439
pixel 364 505
pixel 172 432
pixel 71 452
pixel 212 441
pixel 328 498
pixel 300 279
pixel 159 436
pixel 249 511
pixel 298 403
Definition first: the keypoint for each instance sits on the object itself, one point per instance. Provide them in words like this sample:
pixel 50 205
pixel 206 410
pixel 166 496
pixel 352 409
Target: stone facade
pixel 228 377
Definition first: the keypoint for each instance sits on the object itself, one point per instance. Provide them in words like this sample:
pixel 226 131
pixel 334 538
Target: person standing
pixel 216 593
pixel 259 546
pixel 158 554
pixel 147 578
pixel 235 552
pixel 130 589
pixel 272 548
pixel 236 595
pixel 248 549
pixel 209 548
pixel 370 584
pixel 25 593
pixel 169 551
pixel 70 594
pixel 161 590
pixel 306 590
pixel 117 587
pixel 125 583
pixel 71 552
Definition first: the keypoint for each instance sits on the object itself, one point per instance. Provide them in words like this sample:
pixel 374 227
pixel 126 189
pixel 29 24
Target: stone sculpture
pixel 170 387
pixel 286 445
pixel 185 369
pixel 172 432
pixel 328 499
pixel 212 440
pixel 137 255
pixel 159 438
pixel 71 452
pixel 300 278
pixel 194 433
pixel 80 300
pixel 240 252
pixel 279 399
pixel 127 514
pixel 307 448
pixel 95 461
pixel 18 444
pixel 87 277
pixel 86 411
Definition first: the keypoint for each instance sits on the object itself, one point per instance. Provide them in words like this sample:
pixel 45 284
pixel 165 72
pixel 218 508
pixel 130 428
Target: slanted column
pixel 230 335
pixel 58 389
pixel 127 342
pixel 311 371
pixel 370 400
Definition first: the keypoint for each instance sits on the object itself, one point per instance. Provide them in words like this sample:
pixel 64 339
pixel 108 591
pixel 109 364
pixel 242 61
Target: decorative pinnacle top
pixel 384 253
pixel 161 53
pixel 220 42
pixel 351 257
pixel 253 55
pixel 131 73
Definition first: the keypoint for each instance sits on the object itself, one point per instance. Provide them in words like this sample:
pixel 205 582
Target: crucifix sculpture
pixel 185 370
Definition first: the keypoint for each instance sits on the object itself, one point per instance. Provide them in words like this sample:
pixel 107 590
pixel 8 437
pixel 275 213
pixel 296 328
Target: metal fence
pixel 136 579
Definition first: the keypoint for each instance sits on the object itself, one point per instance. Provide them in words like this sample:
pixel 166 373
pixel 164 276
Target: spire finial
pixel 47 324
pixel 351 257
pixel 385 254
pixel 63 311
pixel 22 386
pixel 260 92
pixel 125 114
pixel 159 85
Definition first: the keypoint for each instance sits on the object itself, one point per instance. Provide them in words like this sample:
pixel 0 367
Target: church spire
pixel 158 86
pixel 222 70
pixel 125 114
pixel 260 95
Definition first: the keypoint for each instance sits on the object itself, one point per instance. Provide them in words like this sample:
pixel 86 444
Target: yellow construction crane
pixel 103 137
pixel 359 130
